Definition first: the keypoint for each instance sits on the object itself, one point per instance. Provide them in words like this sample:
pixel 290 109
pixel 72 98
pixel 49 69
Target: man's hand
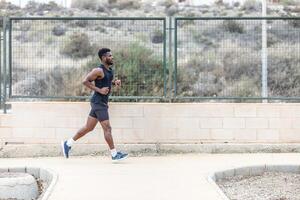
pixel 118 83
pixel 104 90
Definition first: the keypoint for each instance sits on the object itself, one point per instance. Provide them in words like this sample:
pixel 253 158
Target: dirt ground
pixel 269 186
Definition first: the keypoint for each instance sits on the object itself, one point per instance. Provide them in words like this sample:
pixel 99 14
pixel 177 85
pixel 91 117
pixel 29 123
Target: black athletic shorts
pixel 99 112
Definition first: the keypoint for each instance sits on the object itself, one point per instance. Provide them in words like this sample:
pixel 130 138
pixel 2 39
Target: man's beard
pixel 109 62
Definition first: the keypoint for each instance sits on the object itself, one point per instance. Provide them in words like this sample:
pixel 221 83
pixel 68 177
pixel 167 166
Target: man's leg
pixel 88 127
pixel 109 140
pixel 107 133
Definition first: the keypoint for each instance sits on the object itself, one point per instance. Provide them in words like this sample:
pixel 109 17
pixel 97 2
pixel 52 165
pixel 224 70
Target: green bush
pixel 220 72
pixel 289 2
pixel 271 39
pixel 77 46
pixel 295 23
pixel 124 4
pixel 43 83
pixel 244 87
pixel 284 72
pixel 200 76
pixel 233 26
pixel 82 23
pixel 237 64
pixel 139 69
pixel 157 37
pixel 202 39
pixel 252 5
pixel 85 4
pixel 58 30
pixel 168 3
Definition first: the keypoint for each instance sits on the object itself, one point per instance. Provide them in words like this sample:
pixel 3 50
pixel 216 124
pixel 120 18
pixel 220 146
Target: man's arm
pixel 92 76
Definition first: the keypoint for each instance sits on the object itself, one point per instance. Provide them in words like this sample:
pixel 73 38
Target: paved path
pixel 171 177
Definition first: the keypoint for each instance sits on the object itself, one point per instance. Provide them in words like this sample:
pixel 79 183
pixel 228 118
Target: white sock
pixel 70 142
pixel 113 152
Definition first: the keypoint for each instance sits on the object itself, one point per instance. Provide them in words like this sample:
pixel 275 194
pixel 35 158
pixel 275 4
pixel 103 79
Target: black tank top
pixel 106 81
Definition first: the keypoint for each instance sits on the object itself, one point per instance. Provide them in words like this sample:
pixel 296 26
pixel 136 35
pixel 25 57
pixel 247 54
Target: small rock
pixel 172 10
pixel 59 30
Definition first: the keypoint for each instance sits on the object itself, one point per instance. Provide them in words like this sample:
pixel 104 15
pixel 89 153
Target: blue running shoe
pixel 119 156
pixel 65 149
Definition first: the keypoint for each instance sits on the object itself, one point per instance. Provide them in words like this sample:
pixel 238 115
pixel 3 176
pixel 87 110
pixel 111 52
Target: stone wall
pixel 143 123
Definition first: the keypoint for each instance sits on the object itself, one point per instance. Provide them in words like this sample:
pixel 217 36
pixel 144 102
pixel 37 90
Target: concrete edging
pixel 50 188
pixel 47 175
pixel 247 171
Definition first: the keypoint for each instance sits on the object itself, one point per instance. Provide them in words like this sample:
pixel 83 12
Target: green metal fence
pixel 237 58
pixel 214 58
pixel 49 57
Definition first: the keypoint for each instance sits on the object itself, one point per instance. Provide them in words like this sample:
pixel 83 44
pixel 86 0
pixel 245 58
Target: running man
pixel 103 78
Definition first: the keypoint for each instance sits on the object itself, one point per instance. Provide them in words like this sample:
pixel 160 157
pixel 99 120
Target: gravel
pixel 268 186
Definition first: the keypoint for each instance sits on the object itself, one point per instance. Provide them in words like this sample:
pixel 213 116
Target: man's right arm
pixel 92 76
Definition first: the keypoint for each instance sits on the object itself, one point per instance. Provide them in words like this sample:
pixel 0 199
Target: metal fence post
pixel 9 28
pixel 170 61
pixel 175 58
pixel 1 40
pixel 4 64
pixel 165 58
pixel 264 54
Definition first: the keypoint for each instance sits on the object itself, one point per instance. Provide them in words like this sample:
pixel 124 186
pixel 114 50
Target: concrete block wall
pixel 51 122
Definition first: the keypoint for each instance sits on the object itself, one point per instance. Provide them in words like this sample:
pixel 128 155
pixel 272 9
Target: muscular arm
pixel 92 76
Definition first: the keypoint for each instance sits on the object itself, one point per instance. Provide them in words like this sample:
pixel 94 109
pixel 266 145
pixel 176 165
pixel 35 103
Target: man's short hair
pixel 102 52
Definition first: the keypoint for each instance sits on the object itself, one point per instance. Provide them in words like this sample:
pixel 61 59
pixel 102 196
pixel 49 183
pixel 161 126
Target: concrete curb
pixel 51 186
pixel 54 150
pixel 46 175
pixel 247 171
pixel 18 185
pixel 211 181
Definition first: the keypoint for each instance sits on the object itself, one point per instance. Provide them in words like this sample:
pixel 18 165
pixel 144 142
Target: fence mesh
pixel 50 57
pixel 284 57
pixel 218 58
pixel 222 58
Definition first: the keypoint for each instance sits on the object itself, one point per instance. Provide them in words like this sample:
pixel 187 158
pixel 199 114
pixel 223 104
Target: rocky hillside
pixel 148 8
